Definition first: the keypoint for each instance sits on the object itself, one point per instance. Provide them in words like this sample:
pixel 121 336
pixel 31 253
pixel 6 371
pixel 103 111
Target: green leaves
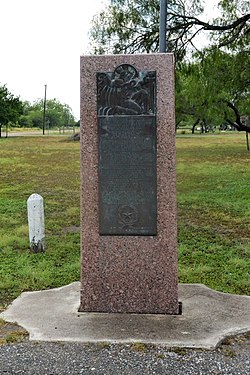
pixel 205 89
pixel 129 26
pixel 10 107
pixel 57 114
pixel 126 27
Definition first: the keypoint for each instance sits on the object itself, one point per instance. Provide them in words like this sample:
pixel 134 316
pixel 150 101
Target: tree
pixel 215 90
pixel 57 114
pixel 231 29
pixel 31 117
pixel 10 108
pixel 129 26
pixel 212 85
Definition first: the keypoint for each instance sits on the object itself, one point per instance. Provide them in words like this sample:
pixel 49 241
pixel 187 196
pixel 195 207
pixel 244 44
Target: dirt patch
pixel 12 333
pixel 72 229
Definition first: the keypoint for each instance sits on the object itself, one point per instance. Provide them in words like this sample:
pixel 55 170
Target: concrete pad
pixel 208 317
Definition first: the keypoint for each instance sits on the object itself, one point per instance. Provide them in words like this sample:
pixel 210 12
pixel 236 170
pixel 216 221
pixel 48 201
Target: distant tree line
pixel 17 113
pixel 57 115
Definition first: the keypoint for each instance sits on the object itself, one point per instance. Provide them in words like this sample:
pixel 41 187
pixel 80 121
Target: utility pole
pixel 44 109
pixel 163 26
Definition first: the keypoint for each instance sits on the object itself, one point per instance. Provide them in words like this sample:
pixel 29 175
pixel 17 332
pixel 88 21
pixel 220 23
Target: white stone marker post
pixel 36 223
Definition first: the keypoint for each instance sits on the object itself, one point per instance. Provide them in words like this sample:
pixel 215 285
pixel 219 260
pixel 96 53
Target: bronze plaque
pixel 127 153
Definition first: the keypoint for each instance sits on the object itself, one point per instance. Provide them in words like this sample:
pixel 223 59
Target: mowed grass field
pixel 213 194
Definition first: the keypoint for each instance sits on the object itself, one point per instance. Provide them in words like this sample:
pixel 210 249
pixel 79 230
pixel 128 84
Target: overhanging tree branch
pixel 237 123
pixel 193 21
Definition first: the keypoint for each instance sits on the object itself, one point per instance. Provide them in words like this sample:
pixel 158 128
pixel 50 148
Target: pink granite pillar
pixel 119 273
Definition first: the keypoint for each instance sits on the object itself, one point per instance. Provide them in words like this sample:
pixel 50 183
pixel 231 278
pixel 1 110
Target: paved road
pixel 35 133
pixel 24 134
pixel 31 358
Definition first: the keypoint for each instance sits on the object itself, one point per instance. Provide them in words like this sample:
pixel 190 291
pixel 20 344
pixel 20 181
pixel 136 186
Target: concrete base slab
pixel 208 317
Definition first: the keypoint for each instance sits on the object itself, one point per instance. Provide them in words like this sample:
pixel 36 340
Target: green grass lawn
pixel 48 166
pixel 213 192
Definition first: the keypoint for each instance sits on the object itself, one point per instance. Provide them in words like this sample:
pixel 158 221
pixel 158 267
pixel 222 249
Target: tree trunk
pixel 196 123
pixel 247 140
pixel 237 123
pixel 205 126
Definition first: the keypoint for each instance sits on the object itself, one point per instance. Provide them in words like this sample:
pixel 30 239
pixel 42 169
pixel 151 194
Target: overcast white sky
pixel 41 43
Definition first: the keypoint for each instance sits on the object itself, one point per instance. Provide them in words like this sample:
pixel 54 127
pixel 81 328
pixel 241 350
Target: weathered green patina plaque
pixel 127 152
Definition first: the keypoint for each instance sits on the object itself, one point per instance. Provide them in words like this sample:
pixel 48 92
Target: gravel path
pixel 44 358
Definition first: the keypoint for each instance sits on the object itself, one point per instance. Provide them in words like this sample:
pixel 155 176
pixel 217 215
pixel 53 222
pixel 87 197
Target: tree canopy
pixel 10 107
pixel 24 114
pixel 214 90
pixel 212 82
pixel 57 114
pixel 130 26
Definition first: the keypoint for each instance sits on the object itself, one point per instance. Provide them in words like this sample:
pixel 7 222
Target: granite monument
pixel 128 197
